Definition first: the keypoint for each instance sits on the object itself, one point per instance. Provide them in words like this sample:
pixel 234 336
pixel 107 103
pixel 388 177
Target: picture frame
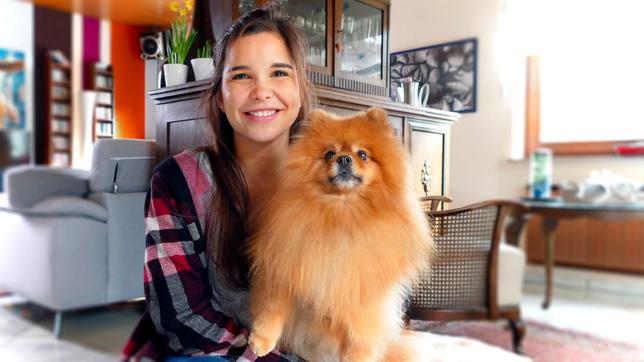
pixel 12 89
pixel 449 69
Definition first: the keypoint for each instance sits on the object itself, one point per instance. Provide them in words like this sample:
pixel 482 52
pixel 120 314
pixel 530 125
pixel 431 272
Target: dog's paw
pixel 260 345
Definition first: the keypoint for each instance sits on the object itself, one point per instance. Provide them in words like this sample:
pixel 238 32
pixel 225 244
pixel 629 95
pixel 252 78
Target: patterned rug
pixel 542 343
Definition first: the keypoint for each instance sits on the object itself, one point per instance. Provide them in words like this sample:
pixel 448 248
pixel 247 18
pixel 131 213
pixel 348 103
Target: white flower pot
pixel 203 68
pixel 175 74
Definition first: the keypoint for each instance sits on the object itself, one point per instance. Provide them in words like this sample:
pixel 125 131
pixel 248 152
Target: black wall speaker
pixel 152 45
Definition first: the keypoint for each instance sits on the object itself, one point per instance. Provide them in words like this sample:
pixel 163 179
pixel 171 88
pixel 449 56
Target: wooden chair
pixel 473 275
pixel 431 203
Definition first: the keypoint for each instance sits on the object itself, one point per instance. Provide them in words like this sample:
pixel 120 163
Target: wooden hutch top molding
pixel 326 95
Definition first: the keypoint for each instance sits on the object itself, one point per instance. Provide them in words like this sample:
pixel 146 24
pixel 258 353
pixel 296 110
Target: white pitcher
pixel 413 95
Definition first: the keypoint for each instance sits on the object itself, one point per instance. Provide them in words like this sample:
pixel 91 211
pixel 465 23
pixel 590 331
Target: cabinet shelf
pixel 60 83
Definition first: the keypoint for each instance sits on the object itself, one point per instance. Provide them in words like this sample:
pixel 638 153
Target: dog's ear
pixel 317 116
pixel 377 115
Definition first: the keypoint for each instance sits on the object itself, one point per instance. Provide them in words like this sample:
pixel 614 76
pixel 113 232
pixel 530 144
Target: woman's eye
pixel 363 155
pixel 240 76
pixel 329 155
pixel 280 73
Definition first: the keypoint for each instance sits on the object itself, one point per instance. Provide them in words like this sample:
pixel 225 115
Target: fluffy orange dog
pixel 338 244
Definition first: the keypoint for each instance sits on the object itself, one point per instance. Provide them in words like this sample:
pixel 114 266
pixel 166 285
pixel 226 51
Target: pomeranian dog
pixel 337 245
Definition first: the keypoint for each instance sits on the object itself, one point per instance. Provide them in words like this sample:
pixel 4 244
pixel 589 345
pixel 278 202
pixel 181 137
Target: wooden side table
pixel 552 212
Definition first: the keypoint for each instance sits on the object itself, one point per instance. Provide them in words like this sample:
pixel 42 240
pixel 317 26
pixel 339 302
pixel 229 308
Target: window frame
pixel 533 119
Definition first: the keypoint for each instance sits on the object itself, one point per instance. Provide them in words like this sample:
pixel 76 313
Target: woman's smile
pixel 263 115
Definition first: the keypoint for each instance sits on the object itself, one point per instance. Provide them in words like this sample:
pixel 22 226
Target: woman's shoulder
pixel 188 163
pixel 186 176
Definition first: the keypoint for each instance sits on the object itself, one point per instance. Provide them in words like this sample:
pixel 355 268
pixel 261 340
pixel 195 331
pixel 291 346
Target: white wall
pixel 151 77
pixel 481 141
pixel 17 33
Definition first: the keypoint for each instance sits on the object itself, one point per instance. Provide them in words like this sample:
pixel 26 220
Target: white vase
pixel 203 68
pixel 175 74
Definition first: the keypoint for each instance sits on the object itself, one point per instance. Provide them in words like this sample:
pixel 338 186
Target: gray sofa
pixel 72 238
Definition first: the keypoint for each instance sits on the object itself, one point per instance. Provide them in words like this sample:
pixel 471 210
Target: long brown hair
pixel 226 229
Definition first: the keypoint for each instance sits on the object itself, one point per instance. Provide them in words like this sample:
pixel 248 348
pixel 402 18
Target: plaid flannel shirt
pixel 184 313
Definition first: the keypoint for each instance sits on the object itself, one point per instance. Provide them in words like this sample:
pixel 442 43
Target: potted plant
pixel 181 38
pixel 202 65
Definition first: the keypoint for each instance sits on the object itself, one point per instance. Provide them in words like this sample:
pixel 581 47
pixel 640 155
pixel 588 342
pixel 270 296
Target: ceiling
pixel 139 12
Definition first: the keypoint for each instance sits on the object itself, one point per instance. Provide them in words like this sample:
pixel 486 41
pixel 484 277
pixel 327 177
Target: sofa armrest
pixel 132 174
pixel 126 242
pixel 29 185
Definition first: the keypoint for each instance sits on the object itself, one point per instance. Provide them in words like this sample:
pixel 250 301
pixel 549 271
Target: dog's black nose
pixel 344 161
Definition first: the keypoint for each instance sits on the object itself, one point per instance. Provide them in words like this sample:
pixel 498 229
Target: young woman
pixel 196 269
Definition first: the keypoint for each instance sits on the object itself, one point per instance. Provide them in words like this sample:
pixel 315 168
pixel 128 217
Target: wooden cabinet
pixel 348 42
pixel 348 39
pixel 423 132
pixel 429 143
pixel 58 110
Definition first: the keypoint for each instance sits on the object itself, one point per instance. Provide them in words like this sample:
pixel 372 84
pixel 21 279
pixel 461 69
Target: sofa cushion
pixel 28 185
pixel 510 272
pixel 106 153
pixel 63 206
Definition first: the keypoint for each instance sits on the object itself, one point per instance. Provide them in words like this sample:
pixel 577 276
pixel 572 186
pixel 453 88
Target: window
pixel 585 80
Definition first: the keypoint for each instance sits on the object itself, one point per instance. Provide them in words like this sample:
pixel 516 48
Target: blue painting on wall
pixel 12 90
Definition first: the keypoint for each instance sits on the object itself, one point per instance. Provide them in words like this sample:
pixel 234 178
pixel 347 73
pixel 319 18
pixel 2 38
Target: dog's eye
pixel 363 155
pixel 329 155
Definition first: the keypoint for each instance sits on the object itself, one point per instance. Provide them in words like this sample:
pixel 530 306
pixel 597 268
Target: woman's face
pixel 260 91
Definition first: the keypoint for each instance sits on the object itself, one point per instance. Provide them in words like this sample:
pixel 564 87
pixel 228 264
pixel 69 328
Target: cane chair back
pixel 461 282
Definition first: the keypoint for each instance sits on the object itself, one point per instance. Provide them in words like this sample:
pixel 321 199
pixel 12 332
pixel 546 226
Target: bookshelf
pixel 103 84
pixel 59 110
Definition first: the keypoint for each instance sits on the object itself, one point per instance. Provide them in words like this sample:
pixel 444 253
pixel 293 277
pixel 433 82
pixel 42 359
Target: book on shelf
pixel 58 75
pixel 58 57
pixel 103 97
pixel 60 159
pixel 104 129
pixel 60 109
pixel 60 92
pixel 103 113
pixel 60 142
pixel 60 125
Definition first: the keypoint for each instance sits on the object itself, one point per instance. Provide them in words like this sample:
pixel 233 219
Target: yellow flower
pixel 183 12
pixel 174 6
pixel 189 4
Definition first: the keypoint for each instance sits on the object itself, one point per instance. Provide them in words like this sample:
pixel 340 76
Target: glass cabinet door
pixel 247 5
pixel 311 17
pixel 361 27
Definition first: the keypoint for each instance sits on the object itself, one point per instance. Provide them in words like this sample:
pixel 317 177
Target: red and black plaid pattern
pixel 181 318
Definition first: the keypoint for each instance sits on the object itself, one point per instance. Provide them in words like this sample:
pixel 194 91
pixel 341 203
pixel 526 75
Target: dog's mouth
pixel 345 179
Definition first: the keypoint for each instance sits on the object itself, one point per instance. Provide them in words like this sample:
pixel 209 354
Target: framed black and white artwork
pixel 448 69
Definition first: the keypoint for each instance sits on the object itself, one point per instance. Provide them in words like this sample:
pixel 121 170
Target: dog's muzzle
pixel 344 176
